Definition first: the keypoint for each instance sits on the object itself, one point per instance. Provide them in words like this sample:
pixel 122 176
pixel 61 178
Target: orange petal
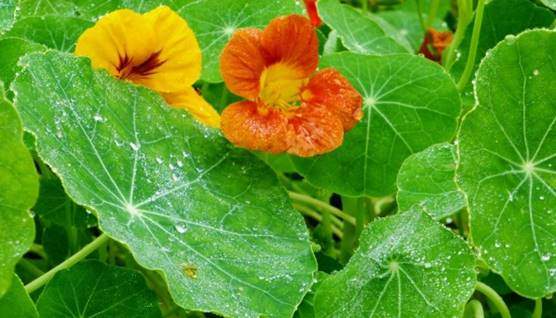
pixel 311 7
pixel 328 88
pixel 246 127
pixel 242 62
pixel 316 131
pixel 195 104
pixel 292 40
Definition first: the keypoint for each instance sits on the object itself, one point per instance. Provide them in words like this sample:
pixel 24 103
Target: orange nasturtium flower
pixel 156 49
pixel 290 107
pixel 434 44
pixel 312 12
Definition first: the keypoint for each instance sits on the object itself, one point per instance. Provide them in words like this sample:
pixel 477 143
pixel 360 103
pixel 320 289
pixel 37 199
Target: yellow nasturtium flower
pixel 156 49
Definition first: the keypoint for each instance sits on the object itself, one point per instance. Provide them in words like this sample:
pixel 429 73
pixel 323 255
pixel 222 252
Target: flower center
pixel 280 86
pixel 129 70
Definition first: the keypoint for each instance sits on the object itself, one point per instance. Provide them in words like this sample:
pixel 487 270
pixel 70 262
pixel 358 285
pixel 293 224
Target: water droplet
pixel 98 118
pixel 181 228
pixel 536 72
pixel 158 160
pixel 135 147
pixel 545 258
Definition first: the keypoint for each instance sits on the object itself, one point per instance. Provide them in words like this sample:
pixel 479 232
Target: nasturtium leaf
pixel 56 32
pixel 19 188
pixel 407 265
pixel 16 302
pixel 211 217
pixel 507 167
pixel 426 179
pixel 11 49
pixel 500 18
pixel 214 22
pixel 409 104
pixel 95 289
pixel 46 7
pixel 358 32
pixel 8 9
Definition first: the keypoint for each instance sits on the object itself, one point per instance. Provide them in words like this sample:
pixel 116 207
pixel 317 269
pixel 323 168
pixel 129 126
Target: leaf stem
pixel 420 15
pixel 537 313
pixel 464 79
pixel 493 296
pixel 475 307
pixel 464 16
pixel 433 9
pixel 316 216
pixel 317 203
pixel 72 260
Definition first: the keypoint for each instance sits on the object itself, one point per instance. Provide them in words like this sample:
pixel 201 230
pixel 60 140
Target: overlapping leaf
pixel 409 104
pixel 16 302
pixel 407 265
pixel 507 150
pixel 211 217
pixel 18 192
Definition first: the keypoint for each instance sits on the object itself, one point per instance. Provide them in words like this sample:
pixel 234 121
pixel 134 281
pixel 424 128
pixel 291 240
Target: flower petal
pixel 242 62
pixel 316 131
pixel 190 100
pixel 180 54
pixel 292 40
pixel 246 127
pixel 115 36
pixel 312 12
pixel 330 89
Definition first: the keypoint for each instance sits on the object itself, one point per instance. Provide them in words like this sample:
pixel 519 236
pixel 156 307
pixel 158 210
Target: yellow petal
pixel 114 37
pixel 190 100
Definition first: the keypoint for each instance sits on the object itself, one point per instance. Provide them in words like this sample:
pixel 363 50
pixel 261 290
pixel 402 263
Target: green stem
pixel 456 41
pixel 420 15
pixel 474 307
pixel 75 258
pixel 432 12
pixel 365 5
pixel 537 313
pixel 357 207
pixel 470 64
pixel 493 296
pixel 30 267
pixel 316 216
pixel 322 205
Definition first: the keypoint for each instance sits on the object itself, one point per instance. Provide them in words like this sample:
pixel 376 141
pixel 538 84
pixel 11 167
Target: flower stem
pixel 432 12
pixel 319 204
pixel 474 307
pixel 72 260
pixel 316 216
pixel 470 64
pixel 493 296
pixel 420 15
pixel 464 17
pixel 537 313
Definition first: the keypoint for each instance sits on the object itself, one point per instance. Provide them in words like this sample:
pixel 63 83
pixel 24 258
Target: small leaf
pixel 426 179
pixel 409 103
pixel 18 191
pixel 407 265
pixel 16 302
pixel 214 22
pixel 94 289
pixel 359 33
pixel 178 194
pixel 507 152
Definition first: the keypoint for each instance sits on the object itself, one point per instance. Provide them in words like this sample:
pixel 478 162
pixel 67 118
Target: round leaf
pixel 407 265
pixel 507 152
pixel 426 179
pixel 213 218
pixel 18 191
pixel 94 289
pixel 410 103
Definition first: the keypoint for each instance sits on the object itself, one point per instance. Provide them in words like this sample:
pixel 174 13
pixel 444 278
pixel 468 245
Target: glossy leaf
pixel 407 265
pixel 184 200
pixel 507 150
pixel 214 22
pixel 358 32
pixel 16 302
pixel 409 104
pixel 11 49
pixel 426 179
pixel 550 3
pixel 18 192
pixel 94 289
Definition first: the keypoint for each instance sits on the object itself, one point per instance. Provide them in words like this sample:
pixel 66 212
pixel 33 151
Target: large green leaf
pixel 358 33
pixel 214 22
pixel 94 289
pixel 427 179
pixel 16 302
pixel 407 265
pixel 53 31
pixel 410 103
pixel 507 150
pixel 18 191
pixel 500 18
pixel 213 218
